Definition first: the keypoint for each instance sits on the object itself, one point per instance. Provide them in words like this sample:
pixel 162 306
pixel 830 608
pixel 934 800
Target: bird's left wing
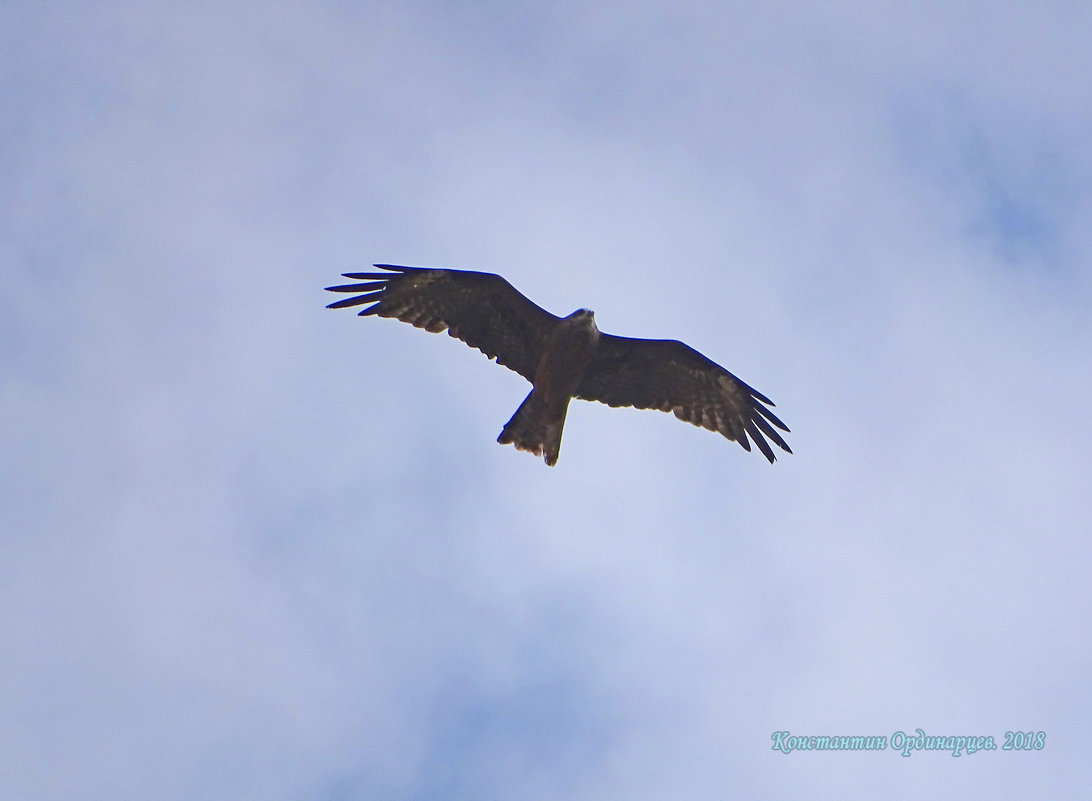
pixel 671 376
pixel 482 309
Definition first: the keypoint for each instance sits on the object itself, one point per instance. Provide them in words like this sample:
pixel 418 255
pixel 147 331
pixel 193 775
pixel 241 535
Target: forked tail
pixel 535 428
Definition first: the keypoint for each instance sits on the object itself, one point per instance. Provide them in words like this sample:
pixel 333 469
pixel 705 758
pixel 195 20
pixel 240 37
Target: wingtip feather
pixel 370 297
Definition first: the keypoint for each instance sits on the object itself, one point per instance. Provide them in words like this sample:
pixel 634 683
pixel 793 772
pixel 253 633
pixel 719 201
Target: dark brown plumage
pixel 566 357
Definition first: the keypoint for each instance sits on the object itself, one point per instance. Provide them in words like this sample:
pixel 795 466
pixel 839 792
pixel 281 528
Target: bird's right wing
pixel 482 309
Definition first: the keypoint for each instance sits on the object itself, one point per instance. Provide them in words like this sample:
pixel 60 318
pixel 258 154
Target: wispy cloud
pixel 254 548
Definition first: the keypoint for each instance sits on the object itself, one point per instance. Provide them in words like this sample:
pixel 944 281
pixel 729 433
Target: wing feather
pixel 482 309
pixel 671 376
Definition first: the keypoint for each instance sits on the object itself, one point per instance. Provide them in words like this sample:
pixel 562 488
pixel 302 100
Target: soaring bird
pixel 565 357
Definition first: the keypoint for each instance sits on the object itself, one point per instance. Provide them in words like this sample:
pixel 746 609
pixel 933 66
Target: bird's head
pixel 585 317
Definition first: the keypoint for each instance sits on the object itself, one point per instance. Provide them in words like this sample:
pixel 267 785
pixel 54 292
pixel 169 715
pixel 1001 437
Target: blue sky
pixel 257 549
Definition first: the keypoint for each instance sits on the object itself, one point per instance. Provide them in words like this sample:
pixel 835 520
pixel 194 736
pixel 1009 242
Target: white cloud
pixel 254 548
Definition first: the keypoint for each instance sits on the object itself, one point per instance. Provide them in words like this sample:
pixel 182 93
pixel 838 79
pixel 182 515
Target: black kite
pixel 565 357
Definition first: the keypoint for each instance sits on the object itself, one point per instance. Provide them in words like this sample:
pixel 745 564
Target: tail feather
pixel 534 429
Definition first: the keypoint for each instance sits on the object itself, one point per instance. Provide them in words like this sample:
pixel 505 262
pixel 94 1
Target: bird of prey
pixel 565 357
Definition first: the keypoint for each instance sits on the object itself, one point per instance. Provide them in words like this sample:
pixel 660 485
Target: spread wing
pixel 671 376
pixel 482 309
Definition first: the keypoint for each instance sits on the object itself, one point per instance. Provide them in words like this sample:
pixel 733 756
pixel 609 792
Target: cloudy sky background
pixel 252 548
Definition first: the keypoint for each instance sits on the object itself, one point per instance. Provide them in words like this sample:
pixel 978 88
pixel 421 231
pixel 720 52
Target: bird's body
pixel 565 357
pixel 537 424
